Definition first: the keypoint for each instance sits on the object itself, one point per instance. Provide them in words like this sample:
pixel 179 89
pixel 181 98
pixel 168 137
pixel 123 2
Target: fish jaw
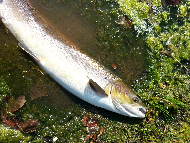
pixel 138 111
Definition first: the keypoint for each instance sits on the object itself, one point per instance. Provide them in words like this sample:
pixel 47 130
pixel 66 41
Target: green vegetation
pixel 164 85
pixel 4 89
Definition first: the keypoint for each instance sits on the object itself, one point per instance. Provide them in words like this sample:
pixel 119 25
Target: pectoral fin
pixel 28 51
pixel 96 88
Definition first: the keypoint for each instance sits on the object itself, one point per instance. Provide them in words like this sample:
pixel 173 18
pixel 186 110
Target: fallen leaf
pixel 37 91
pixel 17 124
pixel 85 120
pixel 30 126
pixel 17 104
pixel 101 131
pixel 114 66
pixel 95 137
pixel 173 2
pixel 93 125
pixel 10 121
pixel 129 22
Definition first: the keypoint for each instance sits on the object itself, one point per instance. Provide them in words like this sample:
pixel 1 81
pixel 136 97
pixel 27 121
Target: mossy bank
pixel 150 46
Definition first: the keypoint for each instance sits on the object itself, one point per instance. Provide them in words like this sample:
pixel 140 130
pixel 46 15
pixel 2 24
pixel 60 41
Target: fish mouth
pixel 143 110
pixel 138 111
pixel 129 110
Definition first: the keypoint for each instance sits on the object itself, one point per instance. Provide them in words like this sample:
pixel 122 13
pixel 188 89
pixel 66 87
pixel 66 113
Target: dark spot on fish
pixel 105 77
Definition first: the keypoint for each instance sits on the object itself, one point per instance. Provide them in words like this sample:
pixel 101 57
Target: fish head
pixel 125 101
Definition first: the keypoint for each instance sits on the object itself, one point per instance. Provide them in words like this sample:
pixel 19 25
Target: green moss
pixel 157 29
pixel 163 88
pixel 184 132
pixel 136 10
pixel 170 88
pixel 156 2
pixel 10 135
pixel 183 10
pixel 4 89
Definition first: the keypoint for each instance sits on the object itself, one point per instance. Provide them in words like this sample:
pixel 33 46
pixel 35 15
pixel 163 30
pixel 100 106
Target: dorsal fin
pixel 96 88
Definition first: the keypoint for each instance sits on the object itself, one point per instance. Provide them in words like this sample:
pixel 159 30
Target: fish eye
pixel 135 99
